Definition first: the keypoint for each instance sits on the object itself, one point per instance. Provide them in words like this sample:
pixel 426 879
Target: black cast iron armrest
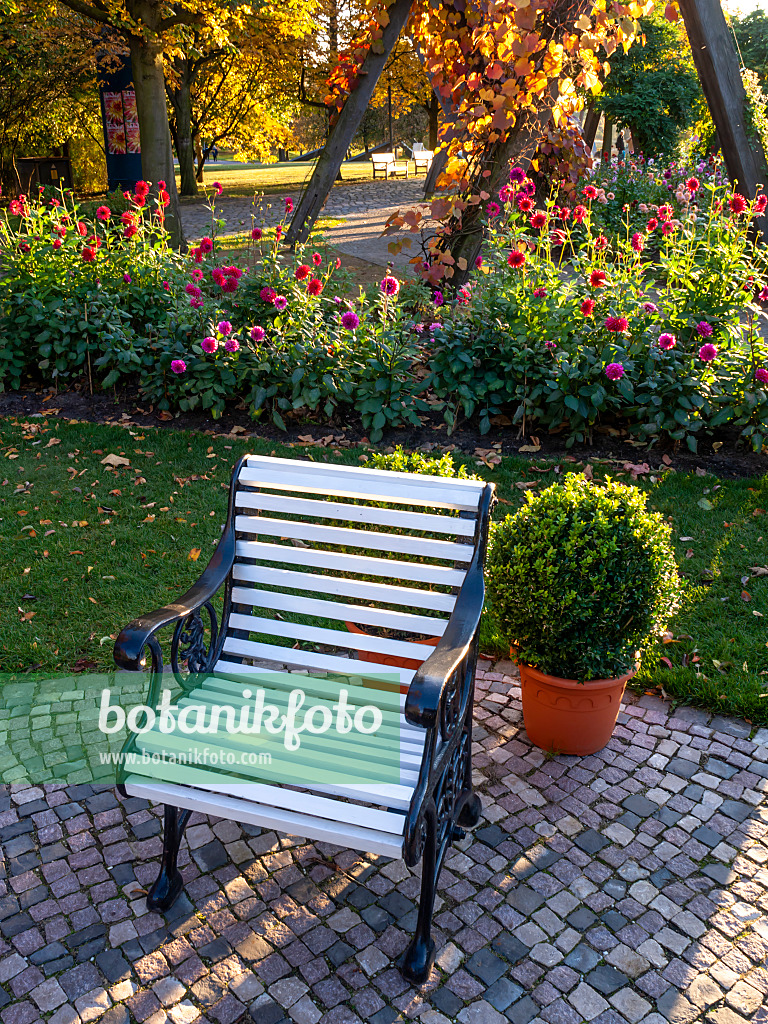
pixel 130 644
pixel 422 701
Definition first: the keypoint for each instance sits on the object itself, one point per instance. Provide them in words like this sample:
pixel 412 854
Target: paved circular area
pixel 630 886
pixel 364 206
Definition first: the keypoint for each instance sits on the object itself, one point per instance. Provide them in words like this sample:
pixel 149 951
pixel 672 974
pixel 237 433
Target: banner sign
pixel 122 141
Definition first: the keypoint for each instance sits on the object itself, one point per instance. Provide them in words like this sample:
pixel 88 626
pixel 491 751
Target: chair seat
pixel 304 798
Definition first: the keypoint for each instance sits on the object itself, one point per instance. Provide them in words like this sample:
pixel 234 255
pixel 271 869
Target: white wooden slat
pixel 262 526
pixel 231 752
pixel 232 682
pixel 399 518
pixel 293 466
pixel 335 560
pixel 288 822
pixel 320 806
pixel 341 586
pixel 410 745
pixel 295 657
pixel 341 612
pixel 410 489
pixel 329 637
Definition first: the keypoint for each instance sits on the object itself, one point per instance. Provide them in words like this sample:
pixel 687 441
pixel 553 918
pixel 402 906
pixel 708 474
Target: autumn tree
pixel 239 88
pixel 47 78
pixel 149 27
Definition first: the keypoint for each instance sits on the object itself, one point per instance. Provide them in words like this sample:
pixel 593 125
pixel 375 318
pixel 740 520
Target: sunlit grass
pixel 86 549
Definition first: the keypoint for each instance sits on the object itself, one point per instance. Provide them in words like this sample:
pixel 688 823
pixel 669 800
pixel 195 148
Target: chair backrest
pixel 418 147
pixel 320 546
pixel 382 158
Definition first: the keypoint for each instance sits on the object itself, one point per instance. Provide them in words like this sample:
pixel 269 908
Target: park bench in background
pixel 388 165
pixel 422 157
pixel 390 551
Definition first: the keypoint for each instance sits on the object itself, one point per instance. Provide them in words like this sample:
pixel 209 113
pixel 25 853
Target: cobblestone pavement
pixel 629 886
pixel 365 207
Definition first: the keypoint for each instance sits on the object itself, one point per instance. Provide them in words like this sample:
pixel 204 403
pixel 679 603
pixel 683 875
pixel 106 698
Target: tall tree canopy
pixel 47 74
pixel 240 87
pixel 751 33
pixel 653 89
pixel 152 28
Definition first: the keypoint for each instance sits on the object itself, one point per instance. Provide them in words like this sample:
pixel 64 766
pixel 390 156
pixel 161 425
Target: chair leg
pixel 169 883
pixel 420 955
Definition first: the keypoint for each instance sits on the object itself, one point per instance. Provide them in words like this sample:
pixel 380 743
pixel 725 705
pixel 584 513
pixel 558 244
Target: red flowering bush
pixel 587 349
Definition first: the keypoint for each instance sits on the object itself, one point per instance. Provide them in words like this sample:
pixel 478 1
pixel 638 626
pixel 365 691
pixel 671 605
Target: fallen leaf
pixel 706 504
pixel 53 441
pixel 689 553
pixel 530 448
pixel 194 554
pixel 759 570
pixel 526 485
pixel 115 460
pixel 666 460
pixel 25 616
pixel 745 596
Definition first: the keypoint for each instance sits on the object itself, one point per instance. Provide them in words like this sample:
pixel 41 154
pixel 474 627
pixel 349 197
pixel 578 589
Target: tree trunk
pixel 200 157
pixel 181 99
pixel 591 122
pixel 607 138
pixel 156 147
pixel 519 147
pixel 434 110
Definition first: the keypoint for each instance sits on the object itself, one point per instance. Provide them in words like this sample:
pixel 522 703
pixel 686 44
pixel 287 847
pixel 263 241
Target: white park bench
pixel 306 548
pixel 422 157
pixel 388 165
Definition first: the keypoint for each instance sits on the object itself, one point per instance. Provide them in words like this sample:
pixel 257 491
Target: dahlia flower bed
pixel 654 332
pixel 569 331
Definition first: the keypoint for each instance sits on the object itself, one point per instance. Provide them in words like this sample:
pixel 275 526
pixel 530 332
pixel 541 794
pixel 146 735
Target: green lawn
pixel 246 179
pixel 86 548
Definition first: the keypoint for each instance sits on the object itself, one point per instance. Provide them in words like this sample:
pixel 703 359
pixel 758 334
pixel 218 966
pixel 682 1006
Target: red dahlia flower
pixel 737 204
pixel 516 259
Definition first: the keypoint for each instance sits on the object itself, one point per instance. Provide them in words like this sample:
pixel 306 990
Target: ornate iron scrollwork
pixel 191 648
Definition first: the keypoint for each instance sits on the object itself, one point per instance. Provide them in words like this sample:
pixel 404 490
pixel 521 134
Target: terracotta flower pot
pixel 390 659
pixel 569 717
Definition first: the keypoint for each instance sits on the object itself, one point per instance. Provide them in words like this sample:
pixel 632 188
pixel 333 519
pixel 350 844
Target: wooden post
pixel 591 122
pixel 342 133
pixel 717 62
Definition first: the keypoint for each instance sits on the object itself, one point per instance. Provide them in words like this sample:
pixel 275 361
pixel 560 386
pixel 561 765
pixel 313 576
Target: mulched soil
pixel 730 459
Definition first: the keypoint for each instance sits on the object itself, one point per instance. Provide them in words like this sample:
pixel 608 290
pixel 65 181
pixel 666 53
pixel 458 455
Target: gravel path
pixel 364 207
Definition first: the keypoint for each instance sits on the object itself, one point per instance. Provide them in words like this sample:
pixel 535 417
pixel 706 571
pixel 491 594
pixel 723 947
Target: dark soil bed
pixel 719 453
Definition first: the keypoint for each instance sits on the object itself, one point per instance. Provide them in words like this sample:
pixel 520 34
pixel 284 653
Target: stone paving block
pixel 582 896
